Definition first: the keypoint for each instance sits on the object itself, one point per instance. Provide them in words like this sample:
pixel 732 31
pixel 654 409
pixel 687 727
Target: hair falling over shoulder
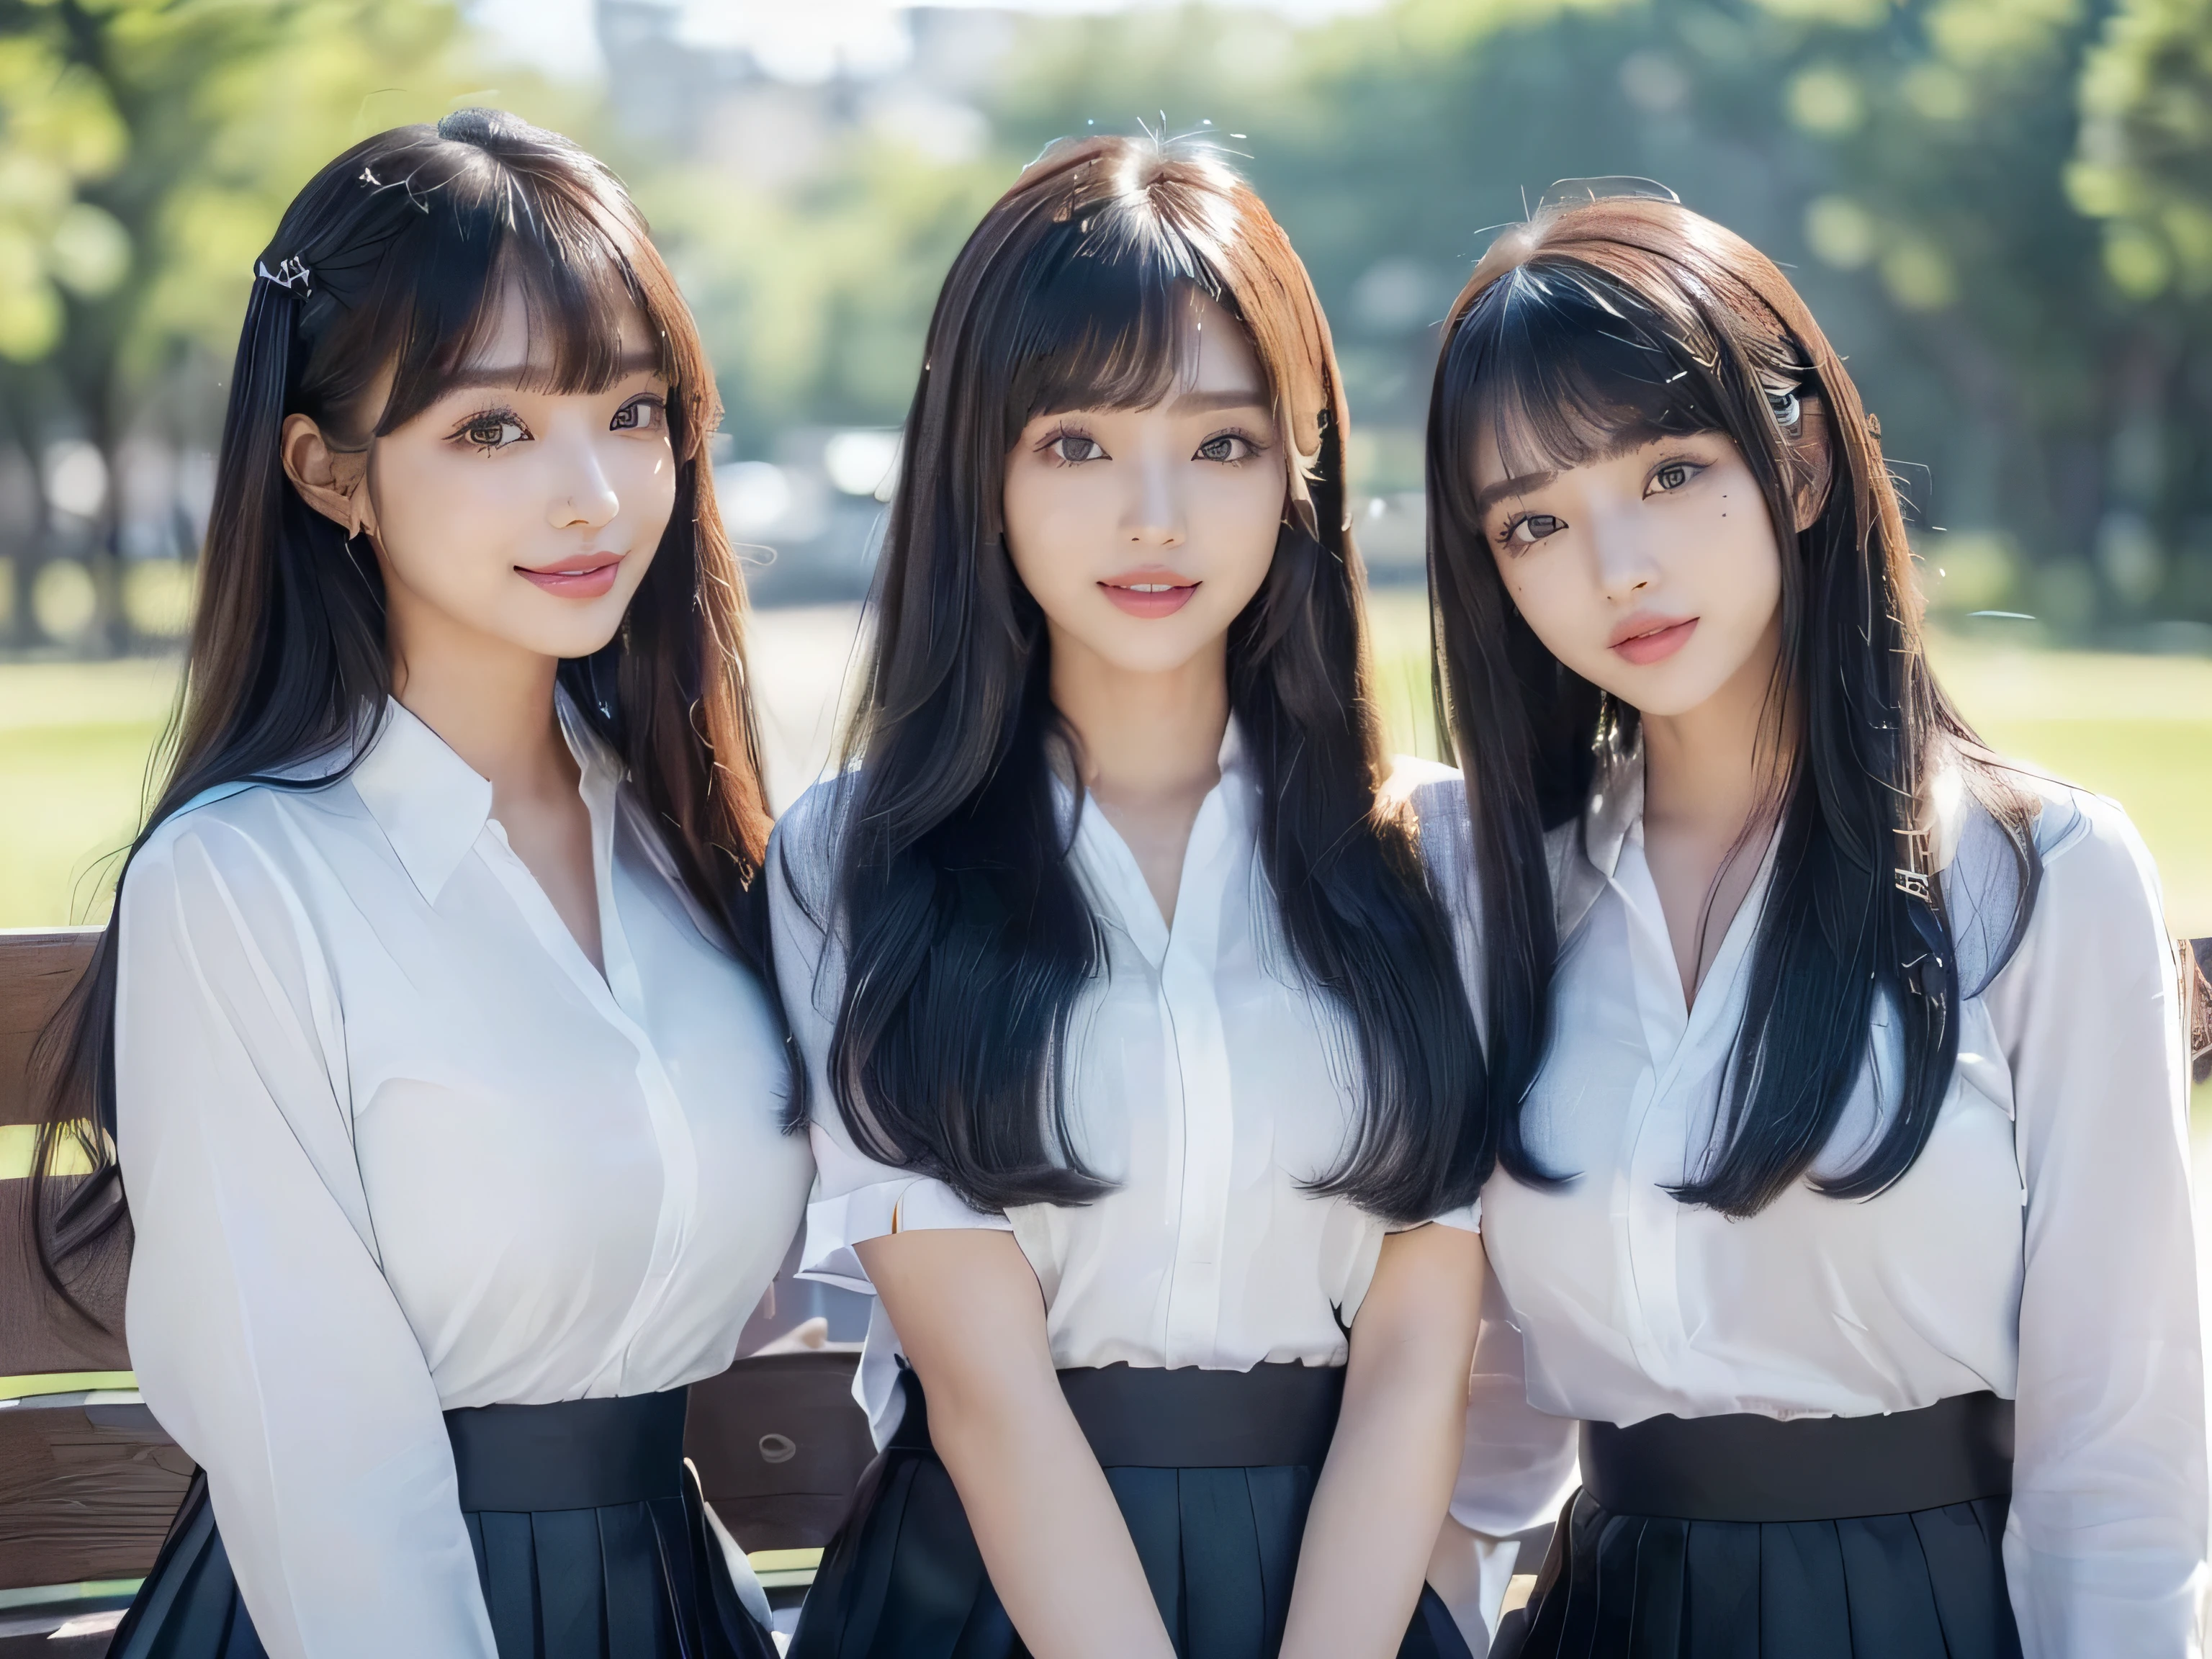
pixel 1621 319
pixel 394 260
pixel 967 938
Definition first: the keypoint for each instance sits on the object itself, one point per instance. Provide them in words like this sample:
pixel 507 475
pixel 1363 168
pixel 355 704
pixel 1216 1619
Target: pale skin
pixel 1099 506
pixel 512 527
pixel 1656 574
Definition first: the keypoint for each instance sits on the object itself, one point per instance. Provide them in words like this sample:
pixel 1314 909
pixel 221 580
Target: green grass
pixel 74 741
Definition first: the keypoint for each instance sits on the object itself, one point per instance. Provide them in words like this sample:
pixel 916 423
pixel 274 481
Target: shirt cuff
pixel 911 1204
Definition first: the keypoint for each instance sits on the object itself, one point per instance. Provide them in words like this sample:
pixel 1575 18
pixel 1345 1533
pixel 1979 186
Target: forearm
pixel 1050 1534
pixel 1384 1491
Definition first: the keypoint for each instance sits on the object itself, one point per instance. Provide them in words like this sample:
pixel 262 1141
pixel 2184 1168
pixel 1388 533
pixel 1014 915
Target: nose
pixel 1627 566
pixel 1153 515
pixel 589 502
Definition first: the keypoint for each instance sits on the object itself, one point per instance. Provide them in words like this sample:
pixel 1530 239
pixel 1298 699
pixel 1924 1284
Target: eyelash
pixel 1507 538
pixel 503 417
pixel 1051 447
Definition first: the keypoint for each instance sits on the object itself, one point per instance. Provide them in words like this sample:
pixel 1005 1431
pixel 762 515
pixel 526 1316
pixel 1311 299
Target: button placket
pixel 1200 1053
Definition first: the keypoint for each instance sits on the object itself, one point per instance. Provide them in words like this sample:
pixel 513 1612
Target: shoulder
pixel 805 849
pixel 1427 793
pixel 2096 890
pixel 240 831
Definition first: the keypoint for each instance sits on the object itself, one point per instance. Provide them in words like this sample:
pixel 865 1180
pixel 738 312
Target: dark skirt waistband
pixel 1148 1416
pixel 1747 1468
pixel 571 1454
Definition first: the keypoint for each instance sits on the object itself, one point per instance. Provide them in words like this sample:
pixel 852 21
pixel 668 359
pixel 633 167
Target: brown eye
pixel 493 431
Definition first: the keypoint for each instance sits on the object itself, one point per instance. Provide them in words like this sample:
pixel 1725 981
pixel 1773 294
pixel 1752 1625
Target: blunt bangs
pixel 1104 319
pixel 429 301
pixel 1564 368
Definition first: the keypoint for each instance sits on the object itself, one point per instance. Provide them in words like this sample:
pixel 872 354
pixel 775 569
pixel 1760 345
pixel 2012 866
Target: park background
pixel 2001 210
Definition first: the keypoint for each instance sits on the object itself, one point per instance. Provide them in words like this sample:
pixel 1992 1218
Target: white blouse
pixel 2040 1248
pixel 1206 1078
pixel 393 1147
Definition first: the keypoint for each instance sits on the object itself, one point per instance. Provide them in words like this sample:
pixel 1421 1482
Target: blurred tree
pixel 146 148
pixel 2144 169
pixel 813 299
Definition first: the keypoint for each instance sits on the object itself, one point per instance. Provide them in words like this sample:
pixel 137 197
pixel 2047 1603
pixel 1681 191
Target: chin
pixel 1663 690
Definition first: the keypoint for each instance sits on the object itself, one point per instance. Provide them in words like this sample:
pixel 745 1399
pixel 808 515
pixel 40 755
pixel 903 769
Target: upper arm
pixel 967 1306
pixel 2110 1484
pixel 264 1335
pixel 1426 1291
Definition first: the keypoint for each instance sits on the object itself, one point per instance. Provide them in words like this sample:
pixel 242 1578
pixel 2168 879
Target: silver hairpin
pixel 368 177
pixel 291 275
pixel 1787 409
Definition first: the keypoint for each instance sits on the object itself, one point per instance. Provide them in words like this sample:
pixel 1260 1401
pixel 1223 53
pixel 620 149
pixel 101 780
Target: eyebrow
pixel 516 376
pixel 1197 403
pixel 1490 494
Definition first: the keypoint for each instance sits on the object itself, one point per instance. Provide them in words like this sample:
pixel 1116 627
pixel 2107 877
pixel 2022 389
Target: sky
pixel 802 42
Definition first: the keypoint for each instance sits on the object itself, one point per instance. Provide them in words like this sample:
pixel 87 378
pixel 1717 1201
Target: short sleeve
pixel 855 1197
pixel 264 1334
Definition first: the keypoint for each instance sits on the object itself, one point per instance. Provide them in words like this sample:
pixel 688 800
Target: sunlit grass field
pixel 76 739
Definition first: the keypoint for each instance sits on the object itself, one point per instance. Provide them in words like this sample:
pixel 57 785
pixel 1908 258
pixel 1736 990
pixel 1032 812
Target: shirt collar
pixel 432 804
pixel 1585 855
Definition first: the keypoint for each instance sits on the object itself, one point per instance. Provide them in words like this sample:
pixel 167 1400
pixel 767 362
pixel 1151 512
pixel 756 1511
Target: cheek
pixel 1054 522
pixel 449 521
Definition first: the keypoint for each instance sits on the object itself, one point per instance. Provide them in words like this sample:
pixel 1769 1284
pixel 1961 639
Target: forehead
pixel 1218 358
pixel 518 346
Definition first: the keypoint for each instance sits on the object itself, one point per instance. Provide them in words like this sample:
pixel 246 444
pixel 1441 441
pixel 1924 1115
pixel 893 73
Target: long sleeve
pixel 265 1337
pixel 2105 1552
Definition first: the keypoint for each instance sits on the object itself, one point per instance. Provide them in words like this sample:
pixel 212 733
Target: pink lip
pixel 580 576
pixel 1645 640
pixel 1173 592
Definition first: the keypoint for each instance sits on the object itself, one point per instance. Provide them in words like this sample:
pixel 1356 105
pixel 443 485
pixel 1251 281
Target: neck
pixel 491 701
pixel 1712 770
pixel 1144 736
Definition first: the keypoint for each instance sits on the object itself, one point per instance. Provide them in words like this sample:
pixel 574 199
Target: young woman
pixel 1848 1210
pixel 1138 1053
pixel 430 1028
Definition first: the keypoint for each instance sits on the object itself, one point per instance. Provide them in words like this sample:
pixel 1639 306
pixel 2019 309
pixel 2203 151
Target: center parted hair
pixel 968 937
pixel 398 258
pixel 1611 324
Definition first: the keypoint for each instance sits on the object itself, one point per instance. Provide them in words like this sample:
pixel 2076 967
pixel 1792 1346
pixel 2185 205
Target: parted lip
pixel 1642 623
pixel 575 563
pixel 1151 577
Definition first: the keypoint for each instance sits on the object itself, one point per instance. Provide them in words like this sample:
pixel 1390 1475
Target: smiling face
pixel 1654 572
pixel 1143 532
pixel 503 512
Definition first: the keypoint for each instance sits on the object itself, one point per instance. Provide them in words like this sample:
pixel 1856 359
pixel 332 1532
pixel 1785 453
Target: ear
pixel 1813 448
pixel 332 481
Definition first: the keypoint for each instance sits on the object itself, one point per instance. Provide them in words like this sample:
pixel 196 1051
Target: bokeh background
pixel 2001 210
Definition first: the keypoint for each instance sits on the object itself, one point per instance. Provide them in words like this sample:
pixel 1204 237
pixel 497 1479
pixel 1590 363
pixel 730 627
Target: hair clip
pixel 1787 409
pixel 368 177
pixel 291 275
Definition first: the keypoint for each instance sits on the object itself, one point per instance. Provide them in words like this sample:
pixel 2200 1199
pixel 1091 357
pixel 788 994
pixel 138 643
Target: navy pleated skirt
pixel 640 1577
pixel 1644 1566
pixel 1219 1540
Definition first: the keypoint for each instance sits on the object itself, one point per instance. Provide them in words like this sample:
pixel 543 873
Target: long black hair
pixel 398 256
pixel 1617 321
pixel 967 937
